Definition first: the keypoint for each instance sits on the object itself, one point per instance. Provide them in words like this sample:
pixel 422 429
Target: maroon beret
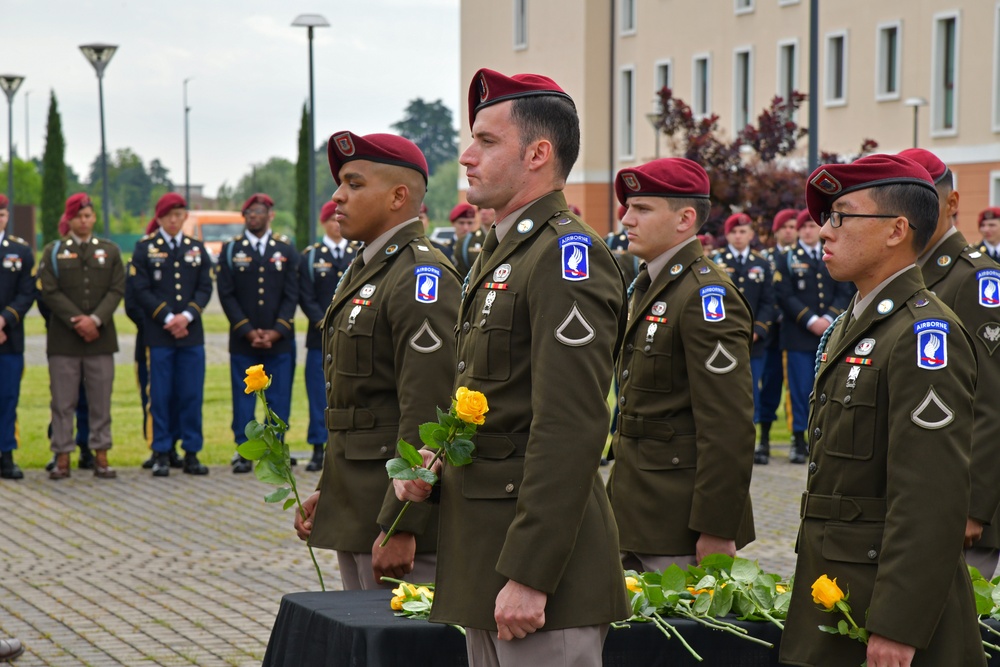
pixel 992 213
pixel 423 208
pixel 490 87
pixel 575 210
pixel 385 148
pixel 932 163
pixel 830 182
pixel 76 202
pixel 666 177
pixel 169 202
pixel 462 210
pixel 4 202
pixel 328 210
pixel 257 198
pixel 802 218
pixel 783 216
pixel 735 220
pixel 63 225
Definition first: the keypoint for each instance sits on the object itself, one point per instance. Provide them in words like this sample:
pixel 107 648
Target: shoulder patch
pixel 575 256
pixel 932 344
pixel 575 330
pixel 428 279
pixel 712 307
pixel 932 412
pixel 989 287
pixel 426 340
pixel 722 360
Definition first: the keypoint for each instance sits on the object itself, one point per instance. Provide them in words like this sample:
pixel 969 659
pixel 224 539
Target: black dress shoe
pixel 241 465
pixel 192 466
pixel 175 459
pixel 86 460
pixel 10 649
pixel 9 469
pixel 161 465
pixel 316 462
pixel 148 463
pixel 762 455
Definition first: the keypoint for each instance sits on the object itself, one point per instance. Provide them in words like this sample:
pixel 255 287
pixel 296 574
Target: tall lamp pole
pixel 27 146
pixel 916 103
pixel 311 21
pixel 99 55
pixel 813 84
pixel 187 155
pixel 10 83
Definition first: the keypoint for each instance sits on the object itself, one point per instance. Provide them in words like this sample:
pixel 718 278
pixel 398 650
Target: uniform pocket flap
pixel 853 543
pixel 493 480
pixel 493 446
pixel 361 324
pixel 373 445
pixel 680 452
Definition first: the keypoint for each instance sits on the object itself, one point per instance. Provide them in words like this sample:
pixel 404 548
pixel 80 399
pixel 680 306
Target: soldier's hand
pixel 819 327
pixel 252 337
pixel 417 490
pixel 304 525
pixel 269 335
pixel 710 544
pixel 973 531
pixel 177 327
pixel 3 336
pixel 884 652
pixel 395 559
pixel 85 327
pixel 519 611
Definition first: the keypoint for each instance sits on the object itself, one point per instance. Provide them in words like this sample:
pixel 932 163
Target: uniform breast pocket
pixel 69 266
pixel 494 321
pixel 854 394
pixel 652 361
pixel 853 542
pixel 355 343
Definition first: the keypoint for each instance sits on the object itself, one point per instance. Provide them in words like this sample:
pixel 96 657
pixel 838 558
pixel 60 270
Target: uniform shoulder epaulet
pixel 714 273
pixel 757 253
pixel 318 245
pixel 16 239
pixel 148 237
pixel 282 238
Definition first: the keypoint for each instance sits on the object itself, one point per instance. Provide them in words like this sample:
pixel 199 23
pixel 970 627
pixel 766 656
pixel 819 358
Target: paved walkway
pixel 190 570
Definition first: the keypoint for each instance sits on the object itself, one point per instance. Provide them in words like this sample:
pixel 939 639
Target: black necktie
pixel 741 260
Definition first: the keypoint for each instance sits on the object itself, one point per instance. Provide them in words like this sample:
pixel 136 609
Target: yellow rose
pixel 470 406
pixel 826 592
pixel 632 584
pixel 255 379
pixel 426 592
pixel 397 602
pixel 780 589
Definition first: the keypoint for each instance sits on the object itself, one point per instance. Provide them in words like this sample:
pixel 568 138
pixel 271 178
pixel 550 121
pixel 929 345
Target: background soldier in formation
pixel 989 228
pixel 17 293
pixel 321 268
pixel 678 446
pixel 468 243
pixel 258 285
pixel 390 359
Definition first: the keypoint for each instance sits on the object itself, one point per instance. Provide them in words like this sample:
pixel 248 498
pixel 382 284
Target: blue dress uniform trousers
pixel 11 369
pixel 281 368
pixel 801 375
pixel 316 391
pixel 176 391
pixel 772 378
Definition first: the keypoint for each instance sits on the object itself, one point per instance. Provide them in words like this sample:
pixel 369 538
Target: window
pixel 744 6
pixel 994 188
pixel 836 68
pixel 627 17
pixel 664 75
pixel 742 87
pixel 520 24
pixel 888 59
pixel 996 71
pixel 701 95
pixel 788 2
pixel 944 72
pixel 788 68
pixel 626 106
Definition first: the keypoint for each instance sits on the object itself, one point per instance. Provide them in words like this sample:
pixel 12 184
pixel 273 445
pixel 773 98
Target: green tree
pixel 276 178
pixel 325 185
pixel 55 173
pixel 429 126
pixel 442 191
pixel 301 212
pixel 27 182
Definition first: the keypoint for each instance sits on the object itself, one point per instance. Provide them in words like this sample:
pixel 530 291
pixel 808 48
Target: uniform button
pixel 262 269
pixel 647 348
pixel 482 322
pixel 260 303
pixel 328 386
pixel 822 306
pixel 741 290
pixel 176 264
pixel 625 374
pixel 817 433
pixel 821 295
pixel 177 286
pixel 621 400
pixel 822 399
pixel 85 268
pixel 741 278
pixel 872 554
pixel 329 358
pixel 260 280
pixel 330 331
pixel 509 488
pixel 177 275
pixel 676 460
pixel 86 281
pixel 812 467
pixel 847 399
pixel 383 449
pixel 466 327
pixel 629 347
pixel 461 367
pixel 179 297
pixel 260 291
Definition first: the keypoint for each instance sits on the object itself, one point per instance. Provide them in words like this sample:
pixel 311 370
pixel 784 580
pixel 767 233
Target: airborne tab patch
pixel 575 256
pixel 932 344
pixel 427 283
pixel 711 303
pixel 989 288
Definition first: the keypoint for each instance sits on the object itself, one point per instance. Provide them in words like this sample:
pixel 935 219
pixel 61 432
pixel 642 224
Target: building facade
pixel 896 71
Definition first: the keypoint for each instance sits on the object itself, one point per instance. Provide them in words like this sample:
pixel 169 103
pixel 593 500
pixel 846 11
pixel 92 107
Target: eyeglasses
pixel 836 218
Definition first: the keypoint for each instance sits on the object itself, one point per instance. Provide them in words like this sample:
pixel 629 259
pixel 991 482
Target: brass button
pixel 177 275
pixel 179 297
pixel 260 291
pixel 260 303
pixel 176 264
pixel 177 286
pixel 509 488
pixel 262 269
pixel 260 280
pixel 676 460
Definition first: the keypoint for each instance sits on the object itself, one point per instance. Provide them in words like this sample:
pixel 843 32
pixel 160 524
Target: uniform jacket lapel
pixel 352 281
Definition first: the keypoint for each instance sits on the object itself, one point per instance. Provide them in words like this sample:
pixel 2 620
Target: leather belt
pixel 348 419
pixel 637 427
pixel 841 508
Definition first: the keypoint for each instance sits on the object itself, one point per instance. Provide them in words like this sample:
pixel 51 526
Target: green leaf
pixel 674 579
pixel 400 469
pixel 744 607
pixel 708 581
pixel 426 475
pixel 702 603
pixel 288 503
pixel 717 562
pixel 842 627
pixel 254 430
pixel 744 571
pixel 829 630
pixel 409 453
pixel 278 422
pixel 459 453
pixel 780 606
pixel 426 431
pixel 722 601
pixel 277 495
pixel 416 606
pixel 984 591
pixel 252 449
pixel 268 473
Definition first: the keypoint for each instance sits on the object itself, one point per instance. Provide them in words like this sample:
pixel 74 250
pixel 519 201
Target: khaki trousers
pixel 571 647
pixel 652 563
pixel 98 375
pixel 356 571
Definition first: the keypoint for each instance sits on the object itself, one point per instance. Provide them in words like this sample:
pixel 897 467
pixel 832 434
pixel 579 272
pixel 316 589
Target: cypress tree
pixel 53 174
pixel 302 221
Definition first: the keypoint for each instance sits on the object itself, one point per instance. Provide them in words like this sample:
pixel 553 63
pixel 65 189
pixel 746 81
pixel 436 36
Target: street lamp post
pixel 10 83
pixel 916 103
pixel 27 116
pixel 311 21
pixel 99 55
pixel 187 158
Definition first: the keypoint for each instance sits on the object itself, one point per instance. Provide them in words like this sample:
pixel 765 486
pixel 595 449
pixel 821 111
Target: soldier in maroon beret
pixel 989 227
pixel 887 495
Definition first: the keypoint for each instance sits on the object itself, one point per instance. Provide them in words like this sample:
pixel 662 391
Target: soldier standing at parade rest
pixel 390 359
pixel 989 227
pixel 753 276
pixel 82 281
pixel 968 282
pixel 891 423
pixel 528 555
pixel 172 283
pixel 321 267
pixel 810 300
pixel 17 293
pixel 258 287
pixel 785 235
pixel 688 342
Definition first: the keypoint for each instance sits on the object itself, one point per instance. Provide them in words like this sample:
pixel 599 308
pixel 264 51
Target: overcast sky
pixel 249 70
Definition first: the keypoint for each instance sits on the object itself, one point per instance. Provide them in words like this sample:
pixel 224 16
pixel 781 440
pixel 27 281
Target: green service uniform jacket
pixel 685 437
pixel 888 484
pixel 389 345
pixel 81 279
pixel 968 282
pixel 539 325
